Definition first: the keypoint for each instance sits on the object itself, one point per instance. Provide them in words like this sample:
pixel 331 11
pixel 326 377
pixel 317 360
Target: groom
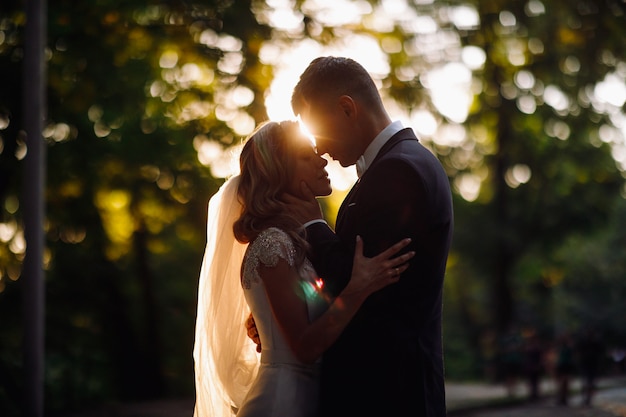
pixel 389 360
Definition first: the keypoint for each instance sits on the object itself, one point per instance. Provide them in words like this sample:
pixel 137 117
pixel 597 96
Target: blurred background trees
pixel 522 101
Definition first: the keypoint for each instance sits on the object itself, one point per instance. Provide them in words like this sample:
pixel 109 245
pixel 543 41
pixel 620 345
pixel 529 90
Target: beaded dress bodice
pixel 271 245
pixel 284 386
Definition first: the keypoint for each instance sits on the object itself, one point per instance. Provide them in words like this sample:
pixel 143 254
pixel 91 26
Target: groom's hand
pixel 305 207
pixel 253 332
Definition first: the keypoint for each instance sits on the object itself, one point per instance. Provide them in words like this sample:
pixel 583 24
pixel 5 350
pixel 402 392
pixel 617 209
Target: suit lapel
pixel 350 200
pixel 404 134
pixel 347 202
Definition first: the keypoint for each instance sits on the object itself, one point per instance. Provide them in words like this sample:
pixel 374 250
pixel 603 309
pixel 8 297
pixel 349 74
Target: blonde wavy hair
pixel 267 164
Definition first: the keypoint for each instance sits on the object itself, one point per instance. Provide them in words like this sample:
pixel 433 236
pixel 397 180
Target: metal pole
pixel 34 110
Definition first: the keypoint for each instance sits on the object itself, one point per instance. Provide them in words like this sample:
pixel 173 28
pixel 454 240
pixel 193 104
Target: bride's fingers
pixel 397 265
pixel 358 250
pixel 384 264
pixel 400 269
pixel 395 272
pixel 398 260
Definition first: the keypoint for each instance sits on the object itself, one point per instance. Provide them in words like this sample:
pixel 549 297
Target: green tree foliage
pixel 546 171
pixel 134 91
pixel 593 288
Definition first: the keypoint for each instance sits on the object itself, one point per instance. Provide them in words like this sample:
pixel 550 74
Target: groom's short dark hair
pixel 330 77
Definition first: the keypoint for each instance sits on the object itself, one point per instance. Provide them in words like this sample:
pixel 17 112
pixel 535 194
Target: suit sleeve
pixel 331 257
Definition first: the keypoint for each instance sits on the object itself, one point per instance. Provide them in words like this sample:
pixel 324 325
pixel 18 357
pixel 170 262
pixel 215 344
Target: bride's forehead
pixel 304 143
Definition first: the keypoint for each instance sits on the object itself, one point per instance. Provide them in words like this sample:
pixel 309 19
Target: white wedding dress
pixel 229 374
pixel 284 387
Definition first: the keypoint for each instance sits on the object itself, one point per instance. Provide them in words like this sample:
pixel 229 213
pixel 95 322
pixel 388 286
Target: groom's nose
pixel 320 145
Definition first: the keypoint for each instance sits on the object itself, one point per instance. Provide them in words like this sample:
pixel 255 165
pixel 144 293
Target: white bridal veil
pixel 225 359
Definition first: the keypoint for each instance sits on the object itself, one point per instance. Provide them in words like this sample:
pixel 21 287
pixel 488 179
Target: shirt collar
pixel 375 146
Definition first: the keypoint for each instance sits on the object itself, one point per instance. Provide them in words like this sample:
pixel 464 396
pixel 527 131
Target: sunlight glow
pixel 395 7
pixel 341 178
pixel 473 57
pixel 11 204
pixel 517 175
pixel 279 14
pixel 450 134
pixel 72 235
pixel 114 209
pixel 424 122
pixel 526 104
pixel 230 109
pixel 449 87
pixel 168 59
pixel 570 65
pixel 450 84
pixel 208 150
pixel 242 124
pixel 535 46
pixel 534 8
pixel 516 52
pixel 227 164
pixel 524 79
pixel 611 90
pixel 222 162
pixel 608 134
pixel 468 186
pixel 7 231
pixel 337 12
pixel 4 121
pixel 507 18
pixel 556 98
pixel 194 110
pixel 58 132
pixel 231 63
pixel 557 129
pixel 465 17
pixel 292 62
pixel 223 42
pixel 18 244
pixel 242 96
pixel 392 13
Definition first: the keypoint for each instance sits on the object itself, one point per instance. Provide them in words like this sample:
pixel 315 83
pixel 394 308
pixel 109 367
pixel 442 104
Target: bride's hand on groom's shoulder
pixel 372 274
pixel 304 207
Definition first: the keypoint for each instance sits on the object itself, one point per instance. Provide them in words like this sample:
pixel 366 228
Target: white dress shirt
pixel 375 146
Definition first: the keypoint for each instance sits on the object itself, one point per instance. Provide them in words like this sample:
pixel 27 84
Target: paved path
pixel 540 411
pixel 464 400
pixel 158 408
pixel 607 403
pixel 479 400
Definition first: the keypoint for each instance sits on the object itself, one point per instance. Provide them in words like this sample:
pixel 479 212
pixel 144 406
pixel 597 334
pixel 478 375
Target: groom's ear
pixel 347 105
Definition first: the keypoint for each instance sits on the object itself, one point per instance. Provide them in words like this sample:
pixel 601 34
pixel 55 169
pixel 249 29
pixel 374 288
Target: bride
pixel 255 261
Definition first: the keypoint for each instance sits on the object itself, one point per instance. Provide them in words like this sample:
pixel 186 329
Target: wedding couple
pixel 349 320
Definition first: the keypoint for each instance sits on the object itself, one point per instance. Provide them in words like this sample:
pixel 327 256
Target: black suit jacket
pixel 389 360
